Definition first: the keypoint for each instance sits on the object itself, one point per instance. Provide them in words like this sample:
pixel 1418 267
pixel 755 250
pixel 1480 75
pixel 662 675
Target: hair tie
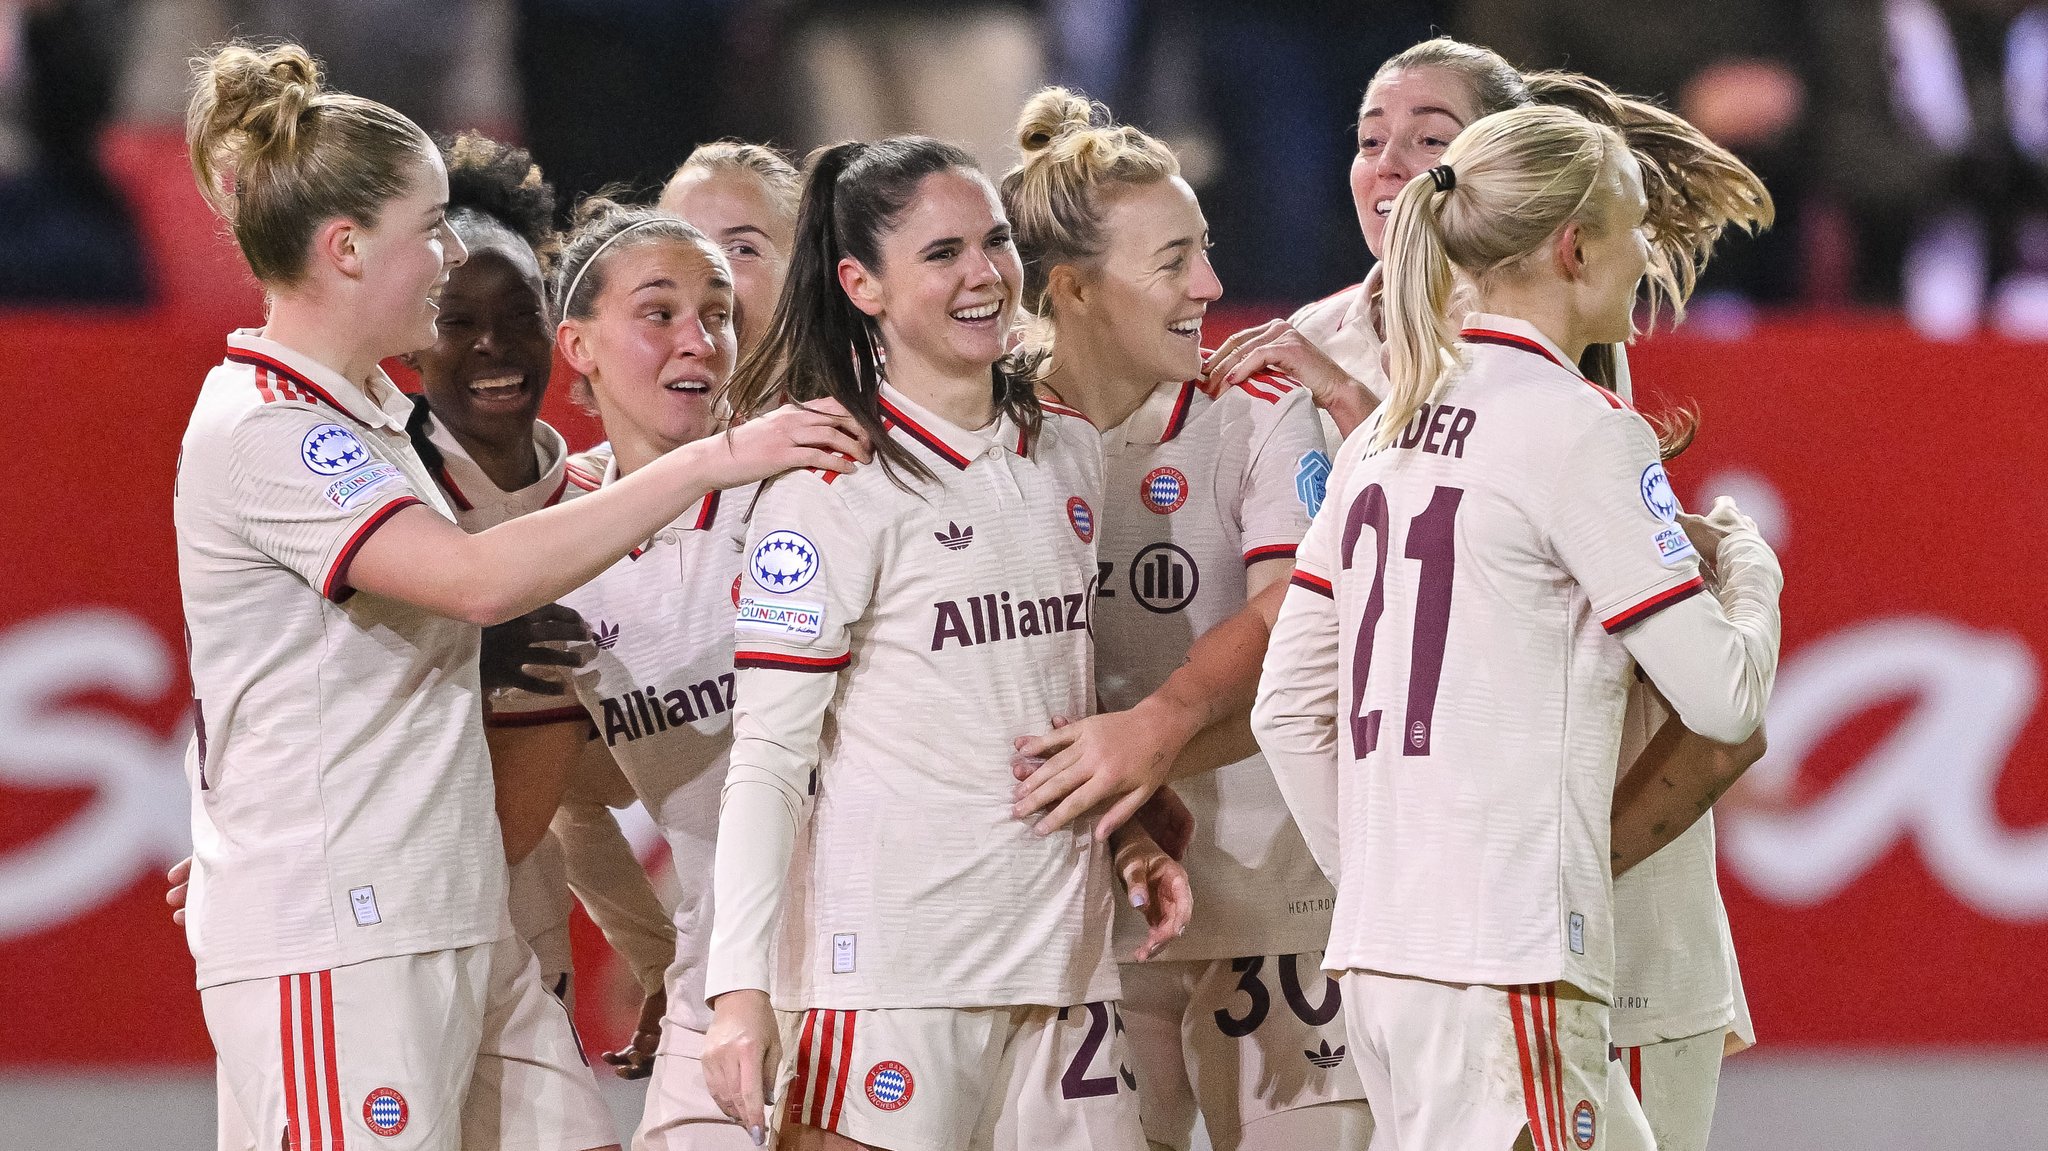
pixel 576 281
pixel 1443 176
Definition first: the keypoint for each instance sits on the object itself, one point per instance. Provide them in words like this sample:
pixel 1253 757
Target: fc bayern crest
pixel 1164 490
pixel 889 1085
pixel 331 449
pixel 735 591
pixel 1583 1125
pixel 783 561
pixel 385 1112
pixel 1079 515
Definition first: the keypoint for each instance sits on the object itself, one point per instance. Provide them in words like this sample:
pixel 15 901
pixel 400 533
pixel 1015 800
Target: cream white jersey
pixel 1466 585
pixel 1198 490
pixel 659 693
pixel 478 501
pixel 910 636
pixel 341 793
pixel 1675 973
pixel 1344 327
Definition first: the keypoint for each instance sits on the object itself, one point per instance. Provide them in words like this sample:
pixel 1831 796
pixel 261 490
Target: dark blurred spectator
pixel 1732 67
pixel 622 90
pixel 65 233
pixel 1261 102
pixel 1933 128
pixel 960 71
pixel 398 52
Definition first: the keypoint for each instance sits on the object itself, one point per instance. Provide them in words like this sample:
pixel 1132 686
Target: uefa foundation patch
pixel 1583 1125
pixel 889 1085
pixel 385 1112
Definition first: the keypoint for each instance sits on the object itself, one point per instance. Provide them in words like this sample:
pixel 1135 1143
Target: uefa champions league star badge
pixel 1657 494
pixel 331 449
pixel 783 561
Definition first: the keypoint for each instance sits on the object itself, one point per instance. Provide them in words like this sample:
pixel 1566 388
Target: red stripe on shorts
pixel 802 1083
pixel 1522 1010
pixel 312 1061
pixel 826 1069
pixel 1557 1061
pixel 288 1043
pixel 1635 1071
pixel 845 1072
pixel 333 1065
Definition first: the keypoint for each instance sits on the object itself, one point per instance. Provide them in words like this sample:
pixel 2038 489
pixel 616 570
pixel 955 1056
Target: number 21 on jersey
pixel 1432 541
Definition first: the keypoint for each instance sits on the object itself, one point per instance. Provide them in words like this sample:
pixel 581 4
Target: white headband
pixel 577 280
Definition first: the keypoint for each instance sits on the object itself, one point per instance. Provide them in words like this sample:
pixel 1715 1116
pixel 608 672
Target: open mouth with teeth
pixel 1384 208
pixel 688 387
pixel 508 391
pixel 979 313
pixel 1190 328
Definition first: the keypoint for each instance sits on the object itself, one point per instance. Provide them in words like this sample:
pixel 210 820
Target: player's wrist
pixel 1172 721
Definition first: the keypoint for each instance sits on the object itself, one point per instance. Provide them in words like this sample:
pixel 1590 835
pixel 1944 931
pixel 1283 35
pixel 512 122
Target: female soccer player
pixel 1680 993
pixel 744 197
pixel 1505 523
pixel 1204 504
pixel 347 901
pixel 648 309
pixel 947 973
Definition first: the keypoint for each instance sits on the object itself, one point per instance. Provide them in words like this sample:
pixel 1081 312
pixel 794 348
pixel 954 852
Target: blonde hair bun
pixel 1050 114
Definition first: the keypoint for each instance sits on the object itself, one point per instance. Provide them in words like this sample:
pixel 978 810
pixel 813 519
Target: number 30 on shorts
pixel 1253 988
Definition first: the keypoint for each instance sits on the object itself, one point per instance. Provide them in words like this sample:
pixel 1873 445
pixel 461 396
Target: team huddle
pixel 1061 734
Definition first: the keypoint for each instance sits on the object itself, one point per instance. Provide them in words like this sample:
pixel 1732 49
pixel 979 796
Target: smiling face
pixel 405 256
pixel 1409 117
pixel 658 343
pixel 1150 288
pixel 945 293
pixel 1616 252
pixel 487 371
pixel 735 208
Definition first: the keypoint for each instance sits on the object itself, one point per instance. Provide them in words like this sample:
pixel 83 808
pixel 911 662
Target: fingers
pixel 534 684
pixel 1078 803
pixel 535 631
pixel 825 461
pixel 1223 365
pixel 1052 782
pixel 180 871
pixel 1120 813
pixel 753 1105
pixel 1041 747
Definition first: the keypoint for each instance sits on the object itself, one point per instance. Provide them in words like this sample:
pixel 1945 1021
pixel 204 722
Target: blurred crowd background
pixel 1906 140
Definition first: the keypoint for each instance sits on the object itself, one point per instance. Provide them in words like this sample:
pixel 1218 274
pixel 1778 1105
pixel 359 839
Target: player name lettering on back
pixel 999 616
pixel 637 714
pixel 1439 429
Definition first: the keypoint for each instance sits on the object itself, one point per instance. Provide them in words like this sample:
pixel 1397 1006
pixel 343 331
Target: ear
pixel 1066 285
pixel 574 343
pixel 338 243
pixel 860 285
pixel 1569 251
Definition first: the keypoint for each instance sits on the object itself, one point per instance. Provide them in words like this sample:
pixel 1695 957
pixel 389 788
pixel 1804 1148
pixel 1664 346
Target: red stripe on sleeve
pixel 1312 582
pixel 845 1072
pixel 1269 552
pixel 333 1067
pixel 335 586
pixel 780 662
pixel 535 718
pixel 287 1042
pixel 1630 616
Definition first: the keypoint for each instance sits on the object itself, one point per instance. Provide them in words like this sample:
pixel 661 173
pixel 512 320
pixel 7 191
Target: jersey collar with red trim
pixel 1507 331
pixel 382 407
pixel 954 444
pixel 1163 415
pixel 699 518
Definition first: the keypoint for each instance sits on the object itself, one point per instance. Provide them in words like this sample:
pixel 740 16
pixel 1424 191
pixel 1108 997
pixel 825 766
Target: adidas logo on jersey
pixel 996 616
pixel 955 538
pixel 607 634
pixel 1325 1058
pixel 645 712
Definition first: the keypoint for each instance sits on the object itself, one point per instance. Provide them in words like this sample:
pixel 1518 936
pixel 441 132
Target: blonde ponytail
pixel 1520 175
pixel 275 155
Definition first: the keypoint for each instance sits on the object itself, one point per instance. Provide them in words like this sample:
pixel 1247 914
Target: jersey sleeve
pixel 810 572
pixel 1294 716
pixel 1285 480
pixel 1612 523
pixel 307 491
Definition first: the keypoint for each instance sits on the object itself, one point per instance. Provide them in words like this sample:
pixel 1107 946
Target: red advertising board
pixel 1886 866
